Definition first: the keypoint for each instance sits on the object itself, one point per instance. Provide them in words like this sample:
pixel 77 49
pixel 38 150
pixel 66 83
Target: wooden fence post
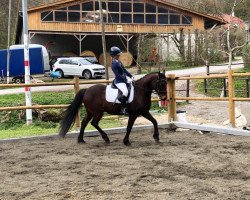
pixel 224 87
pixel 171 93
pixel 247 88
pixel 188 90
pixel 174 116
pixel 169 97
pixel 76 89
pixel 231 96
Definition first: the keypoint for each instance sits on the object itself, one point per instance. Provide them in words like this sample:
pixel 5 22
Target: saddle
pixel 119 91
pixel 113 94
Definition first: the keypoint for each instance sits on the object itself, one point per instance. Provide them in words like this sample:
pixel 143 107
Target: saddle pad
pixel 111 95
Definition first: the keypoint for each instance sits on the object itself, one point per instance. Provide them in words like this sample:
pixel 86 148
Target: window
pixel 88 6
pixel 84 62
pixel 126 7
pixel 47 16
pixel 139 18
pixel 90 17
pixel 104 7
pixel 150 8
pixel 162 10
pixel 75 7
pixel 64 62
pixel 74 62
pixel 163 19
pixel 175 19
pixel 60 16
pixel 186 19
pixel 113 6
pixel 118 11
pixel 150 19
pixel 126 18
pixel 74 17
pixel 114 18
pixel 138 7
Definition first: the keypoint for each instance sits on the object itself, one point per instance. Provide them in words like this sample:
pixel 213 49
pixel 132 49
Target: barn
pixel 72 27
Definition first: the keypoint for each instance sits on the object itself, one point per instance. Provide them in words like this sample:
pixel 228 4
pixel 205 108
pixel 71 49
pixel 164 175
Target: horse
pixel 95 103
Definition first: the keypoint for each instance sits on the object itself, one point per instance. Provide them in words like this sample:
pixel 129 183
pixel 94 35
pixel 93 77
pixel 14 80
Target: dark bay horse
pixel 95 103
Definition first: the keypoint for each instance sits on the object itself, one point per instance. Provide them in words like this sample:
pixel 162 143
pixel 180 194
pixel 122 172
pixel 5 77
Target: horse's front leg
pixel 152 119
pixel 131 121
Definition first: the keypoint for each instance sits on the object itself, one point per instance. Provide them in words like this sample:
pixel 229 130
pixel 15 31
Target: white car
pixel 78 66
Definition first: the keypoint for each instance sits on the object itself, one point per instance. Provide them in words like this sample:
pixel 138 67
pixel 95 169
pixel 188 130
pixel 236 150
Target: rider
pixel 120 77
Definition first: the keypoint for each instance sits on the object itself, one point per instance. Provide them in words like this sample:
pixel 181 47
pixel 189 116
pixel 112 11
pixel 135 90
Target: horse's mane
pixel 145 76
pixel 142 78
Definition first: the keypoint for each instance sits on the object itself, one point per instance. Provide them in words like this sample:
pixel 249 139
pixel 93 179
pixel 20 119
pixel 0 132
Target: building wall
pixel 35 24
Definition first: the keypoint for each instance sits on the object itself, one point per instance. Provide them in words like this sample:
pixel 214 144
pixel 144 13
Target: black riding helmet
pixel 115 51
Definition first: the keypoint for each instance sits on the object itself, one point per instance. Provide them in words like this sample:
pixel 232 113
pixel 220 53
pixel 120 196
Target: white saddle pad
pixel 111 95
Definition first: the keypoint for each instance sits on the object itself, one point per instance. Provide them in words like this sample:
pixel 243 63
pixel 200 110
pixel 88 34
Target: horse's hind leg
pixel 152 119
pixel 85 122
pixel 95 122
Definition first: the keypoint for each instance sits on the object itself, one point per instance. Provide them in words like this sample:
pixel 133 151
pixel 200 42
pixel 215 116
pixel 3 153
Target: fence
pixel 171 92
pixel 172 98
pixel 76 83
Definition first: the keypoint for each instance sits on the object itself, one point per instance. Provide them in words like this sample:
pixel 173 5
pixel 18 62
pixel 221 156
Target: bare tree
pixel 234 36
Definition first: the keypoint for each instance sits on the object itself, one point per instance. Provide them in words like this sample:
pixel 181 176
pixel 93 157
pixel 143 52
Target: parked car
pixel 78 66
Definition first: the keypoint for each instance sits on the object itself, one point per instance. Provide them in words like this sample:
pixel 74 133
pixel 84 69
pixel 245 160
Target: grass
pixel 217 85
pixel 39 128
pixel 13 123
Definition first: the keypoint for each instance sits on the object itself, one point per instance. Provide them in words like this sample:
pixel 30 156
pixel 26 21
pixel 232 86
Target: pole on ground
pixel 76 89
pixel 26 62
pixel 8 48
pixel 231 96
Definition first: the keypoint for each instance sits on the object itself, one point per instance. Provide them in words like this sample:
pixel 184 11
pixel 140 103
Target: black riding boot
pixel 124 107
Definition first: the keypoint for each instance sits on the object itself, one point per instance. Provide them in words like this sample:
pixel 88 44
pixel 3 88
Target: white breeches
pixel 123 88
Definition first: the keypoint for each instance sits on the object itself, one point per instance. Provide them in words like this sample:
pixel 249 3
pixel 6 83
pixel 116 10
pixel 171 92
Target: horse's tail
pixel 70 113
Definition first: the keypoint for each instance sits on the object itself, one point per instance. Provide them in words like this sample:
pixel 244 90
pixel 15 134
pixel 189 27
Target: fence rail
pixel 171 93
pixel 172 98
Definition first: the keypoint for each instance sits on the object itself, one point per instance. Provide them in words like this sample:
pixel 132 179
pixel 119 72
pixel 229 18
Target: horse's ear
pixel 164 72
pixel 159 74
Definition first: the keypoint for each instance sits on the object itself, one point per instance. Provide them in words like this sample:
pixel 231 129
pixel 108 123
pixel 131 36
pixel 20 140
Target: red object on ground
pixel 163 103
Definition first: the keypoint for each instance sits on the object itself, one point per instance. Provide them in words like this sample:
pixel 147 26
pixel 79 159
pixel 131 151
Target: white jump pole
pixel 26 62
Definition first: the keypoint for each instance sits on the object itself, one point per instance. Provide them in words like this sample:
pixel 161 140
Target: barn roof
pixel 207 17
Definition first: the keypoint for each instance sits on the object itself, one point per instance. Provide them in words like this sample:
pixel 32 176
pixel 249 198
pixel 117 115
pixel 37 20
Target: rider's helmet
pixel 115 51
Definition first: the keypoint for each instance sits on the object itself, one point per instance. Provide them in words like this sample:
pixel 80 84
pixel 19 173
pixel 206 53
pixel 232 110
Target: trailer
pixel 39 62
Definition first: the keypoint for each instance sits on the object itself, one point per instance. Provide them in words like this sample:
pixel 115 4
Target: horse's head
pixel 160 84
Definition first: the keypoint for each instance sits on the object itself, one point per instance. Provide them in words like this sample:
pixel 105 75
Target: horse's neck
pixel 144 86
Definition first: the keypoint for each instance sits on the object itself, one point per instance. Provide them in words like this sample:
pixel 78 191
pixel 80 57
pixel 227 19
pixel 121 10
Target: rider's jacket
pixel 120 72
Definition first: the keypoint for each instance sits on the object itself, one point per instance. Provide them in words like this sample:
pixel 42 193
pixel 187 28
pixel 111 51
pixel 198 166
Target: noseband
pixel 160 81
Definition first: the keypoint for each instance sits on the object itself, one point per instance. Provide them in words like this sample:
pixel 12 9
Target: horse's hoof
pixel 157 141
pixel 80 141
pixel 127 143
pixel 107 140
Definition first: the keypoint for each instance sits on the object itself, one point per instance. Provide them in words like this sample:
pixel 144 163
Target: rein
pixel 157 91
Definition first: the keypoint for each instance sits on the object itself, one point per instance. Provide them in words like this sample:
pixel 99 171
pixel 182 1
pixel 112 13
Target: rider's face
pixel 117 57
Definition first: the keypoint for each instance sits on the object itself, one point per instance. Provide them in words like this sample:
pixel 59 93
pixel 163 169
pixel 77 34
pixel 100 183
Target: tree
pixel 235 37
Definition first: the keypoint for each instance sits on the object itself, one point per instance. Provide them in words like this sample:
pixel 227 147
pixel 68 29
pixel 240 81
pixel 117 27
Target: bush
pixel 246 56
